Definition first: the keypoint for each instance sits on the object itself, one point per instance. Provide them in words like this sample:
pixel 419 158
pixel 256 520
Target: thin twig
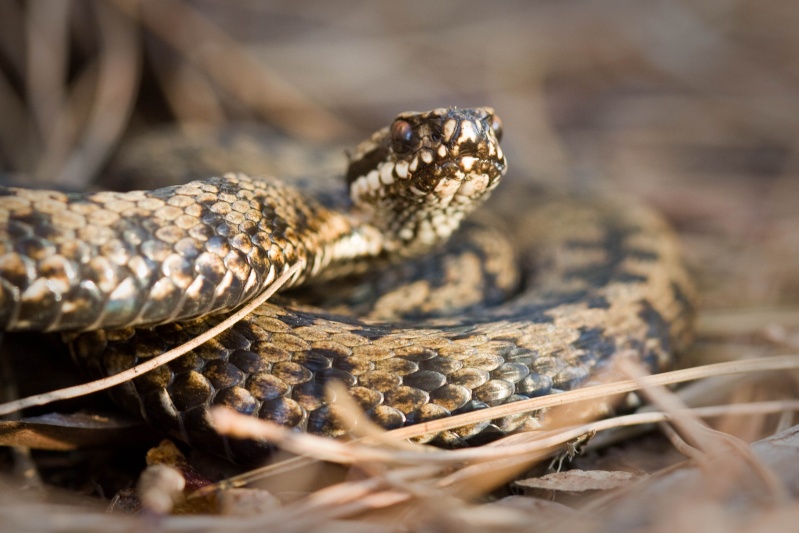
pixel 236 69
pixel 115 77
pixel 780 362
pixel 228 421
pixel 47 32
pixel 702 442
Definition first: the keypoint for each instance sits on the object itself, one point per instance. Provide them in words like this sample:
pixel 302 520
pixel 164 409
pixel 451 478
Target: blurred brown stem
pixel 233 68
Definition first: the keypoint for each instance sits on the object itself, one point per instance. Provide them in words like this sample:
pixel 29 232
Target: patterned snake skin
pixel 598 279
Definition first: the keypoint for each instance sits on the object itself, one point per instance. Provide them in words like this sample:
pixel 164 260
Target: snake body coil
pixel 599 281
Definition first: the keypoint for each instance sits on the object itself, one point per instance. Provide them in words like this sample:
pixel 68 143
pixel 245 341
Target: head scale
pixel 416 179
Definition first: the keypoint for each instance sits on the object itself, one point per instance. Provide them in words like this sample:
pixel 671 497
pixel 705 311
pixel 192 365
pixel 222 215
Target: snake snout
pixel 424 168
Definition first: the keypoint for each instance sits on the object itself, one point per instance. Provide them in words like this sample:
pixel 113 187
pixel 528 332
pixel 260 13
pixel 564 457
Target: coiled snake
pixel 137 273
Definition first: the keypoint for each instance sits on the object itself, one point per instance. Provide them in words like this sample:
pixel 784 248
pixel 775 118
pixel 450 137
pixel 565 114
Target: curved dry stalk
pixel 114 93
pixel 498 461
pixel 703 442
pixel 230 422
pixel 47 37
pixel 780 362
pixel 307 449
pixel 235 69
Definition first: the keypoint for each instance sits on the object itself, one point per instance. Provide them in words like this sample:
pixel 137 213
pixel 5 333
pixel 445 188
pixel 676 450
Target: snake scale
pixel 130 275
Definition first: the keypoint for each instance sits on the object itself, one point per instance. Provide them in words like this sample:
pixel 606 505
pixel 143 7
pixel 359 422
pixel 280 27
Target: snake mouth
pixel 468 173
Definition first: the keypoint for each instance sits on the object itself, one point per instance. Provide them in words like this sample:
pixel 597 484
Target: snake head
pixel 418 178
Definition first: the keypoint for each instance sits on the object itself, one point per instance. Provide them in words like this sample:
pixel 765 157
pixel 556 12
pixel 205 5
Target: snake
pixel 125 276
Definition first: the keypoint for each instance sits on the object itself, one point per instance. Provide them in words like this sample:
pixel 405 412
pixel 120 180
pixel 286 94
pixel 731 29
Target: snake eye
pixel 496 125
pixel 401 135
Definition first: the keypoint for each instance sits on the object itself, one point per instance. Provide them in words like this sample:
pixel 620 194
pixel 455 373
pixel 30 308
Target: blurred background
pixel 690 105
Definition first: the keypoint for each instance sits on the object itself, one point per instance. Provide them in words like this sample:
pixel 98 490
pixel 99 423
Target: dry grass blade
pixel 682 106
pixel 528 446
pixel 18 144
pixel 361 426
pixel 229 422
pixel 47 31
pixel 66 106
pixel 116 83
pixel 407 480
pixel 107 383
pixel 235 69
pixel 781 362
pixel 536 443
pixel 14 114
pixel 707 442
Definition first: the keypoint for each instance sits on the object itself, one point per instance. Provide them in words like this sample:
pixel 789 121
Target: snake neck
pixel 411 184
pixel 106 260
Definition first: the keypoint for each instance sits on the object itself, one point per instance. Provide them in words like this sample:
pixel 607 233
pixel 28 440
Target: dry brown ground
pixel 690 106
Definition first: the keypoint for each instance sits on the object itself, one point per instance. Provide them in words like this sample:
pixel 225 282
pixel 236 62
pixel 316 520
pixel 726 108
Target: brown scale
pixel 596 279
